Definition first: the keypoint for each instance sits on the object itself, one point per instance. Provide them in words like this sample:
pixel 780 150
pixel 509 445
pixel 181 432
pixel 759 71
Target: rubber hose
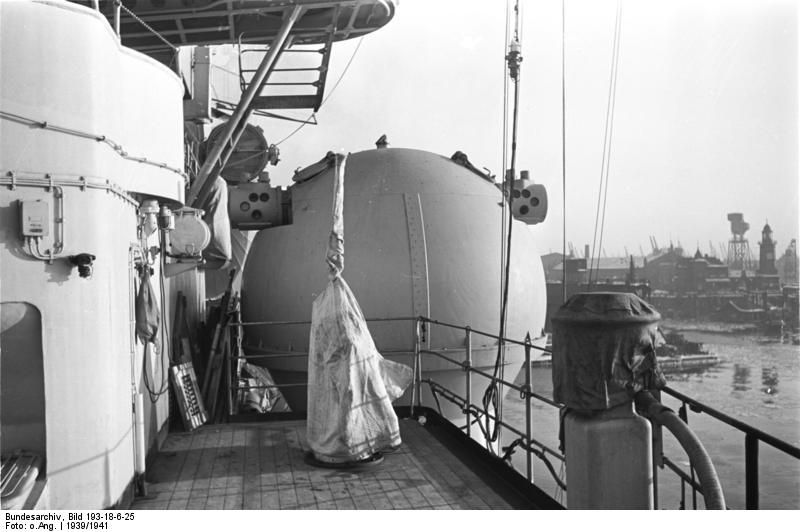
pixel 701 461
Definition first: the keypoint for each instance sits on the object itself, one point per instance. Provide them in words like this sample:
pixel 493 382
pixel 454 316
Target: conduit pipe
pixel 137 399
pixel 140 445
pixel 701 461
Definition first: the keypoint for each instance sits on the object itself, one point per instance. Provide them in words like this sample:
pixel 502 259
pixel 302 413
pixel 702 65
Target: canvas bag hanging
pixel 351 386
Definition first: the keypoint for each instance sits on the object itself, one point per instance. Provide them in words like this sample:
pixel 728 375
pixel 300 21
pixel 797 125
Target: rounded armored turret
pixel 422 237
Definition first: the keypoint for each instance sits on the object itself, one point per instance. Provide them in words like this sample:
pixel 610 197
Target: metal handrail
pixel 468 367
pixel 525 441
pixel 266 353
pixel 308 322
pixel 460 401
pixel 698 407
pixel 752 438
pixel 482 333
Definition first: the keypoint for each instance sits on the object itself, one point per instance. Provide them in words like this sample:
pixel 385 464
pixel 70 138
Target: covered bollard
pixel 604 353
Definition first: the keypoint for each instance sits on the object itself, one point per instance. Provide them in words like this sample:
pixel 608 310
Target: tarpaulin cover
pixel 604 350
pixel 218 252
pixel 351 386
pixel 148 315
pixel 217 281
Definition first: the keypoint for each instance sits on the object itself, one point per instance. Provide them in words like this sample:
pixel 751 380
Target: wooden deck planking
pixel 261 466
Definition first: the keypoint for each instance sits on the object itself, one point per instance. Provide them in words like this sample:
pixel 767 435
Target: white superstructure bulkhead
pixel 89 130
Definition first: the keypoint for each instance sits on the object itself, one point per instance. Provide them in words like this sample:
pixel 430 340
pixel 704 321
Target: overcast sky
pixel 705 123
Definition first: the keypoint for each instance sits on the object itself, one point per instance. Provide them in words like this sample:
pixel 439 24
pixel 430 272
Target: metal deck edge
pixel 498 474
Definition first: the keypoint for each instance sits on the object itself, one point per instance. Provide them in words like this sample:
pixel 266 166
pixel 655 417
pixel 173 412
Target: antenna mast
pixel 492 399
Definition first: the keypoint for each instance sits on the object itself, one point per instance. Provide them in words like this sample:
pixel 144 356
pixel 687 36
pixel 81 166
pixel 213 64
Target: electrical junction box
pixel 35 218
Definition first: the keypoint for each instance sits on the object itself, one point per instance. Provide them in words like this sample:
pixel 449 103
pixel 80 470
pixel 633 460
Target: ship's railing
pixel 483 417
pixel 752 438
pixel 262 353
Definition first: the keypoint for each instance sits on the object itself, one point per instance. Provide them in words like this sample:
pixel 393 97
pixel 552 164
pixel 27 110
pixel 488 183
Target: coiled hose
pixel 701 461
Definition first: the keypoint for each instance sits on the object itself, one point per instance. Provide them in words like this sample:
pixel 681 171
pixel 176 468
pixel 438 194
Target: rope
pixel 607 137
pixel 335 255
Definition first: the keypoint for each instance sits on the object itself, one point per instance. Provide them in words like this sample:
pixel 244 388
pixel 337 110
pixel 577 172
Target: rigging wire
pixel 610 126
pixel 563 157
pixel 504 203
pixel 492 398
pixel 602 196
pixel 313 115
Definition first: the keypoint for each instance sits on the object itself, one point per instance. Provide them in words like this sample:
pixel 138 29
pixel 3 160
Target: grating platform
pixel 261 466
pixel 19 473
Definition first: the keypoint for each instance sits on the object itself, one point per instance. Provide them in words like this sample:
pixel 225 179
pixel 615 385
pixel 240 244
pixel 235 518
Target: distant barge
pixel 676 354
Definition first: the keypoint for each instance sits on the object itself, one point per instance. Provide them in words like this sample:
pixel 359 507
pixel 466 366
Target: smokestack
pixel 586 252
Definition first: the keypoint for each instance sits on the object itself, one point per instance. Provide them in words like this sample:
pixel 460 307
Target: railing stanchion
pixel 528 389
pixel 229 378
pixel 420 342
pixel 683 495
pixel 683 414
pixel 751 471
pixel 117 14
pixel 415 382
pixel 469 380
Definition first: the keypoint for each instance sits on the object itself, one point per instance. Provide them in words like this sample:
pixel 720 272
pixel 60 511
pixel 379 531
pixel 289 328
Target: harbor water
pixel 756 381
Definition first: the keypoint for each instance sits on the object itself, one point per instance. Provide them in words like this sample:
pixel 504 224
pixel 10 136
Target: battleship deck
pixel 260 465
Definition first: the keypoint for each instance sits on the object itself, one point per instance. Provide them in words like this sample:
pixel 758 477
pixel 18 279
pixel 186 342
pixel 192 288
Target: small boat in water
pixel 675 354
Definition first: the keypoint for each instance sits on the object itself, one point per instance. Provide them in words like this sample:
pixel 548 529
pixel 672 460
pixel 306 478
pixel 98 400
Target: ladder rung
pixel 309 69
pixel 286 102
pixel 305 69
pixel 291 84
pixel 288 51
pixel 320 51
